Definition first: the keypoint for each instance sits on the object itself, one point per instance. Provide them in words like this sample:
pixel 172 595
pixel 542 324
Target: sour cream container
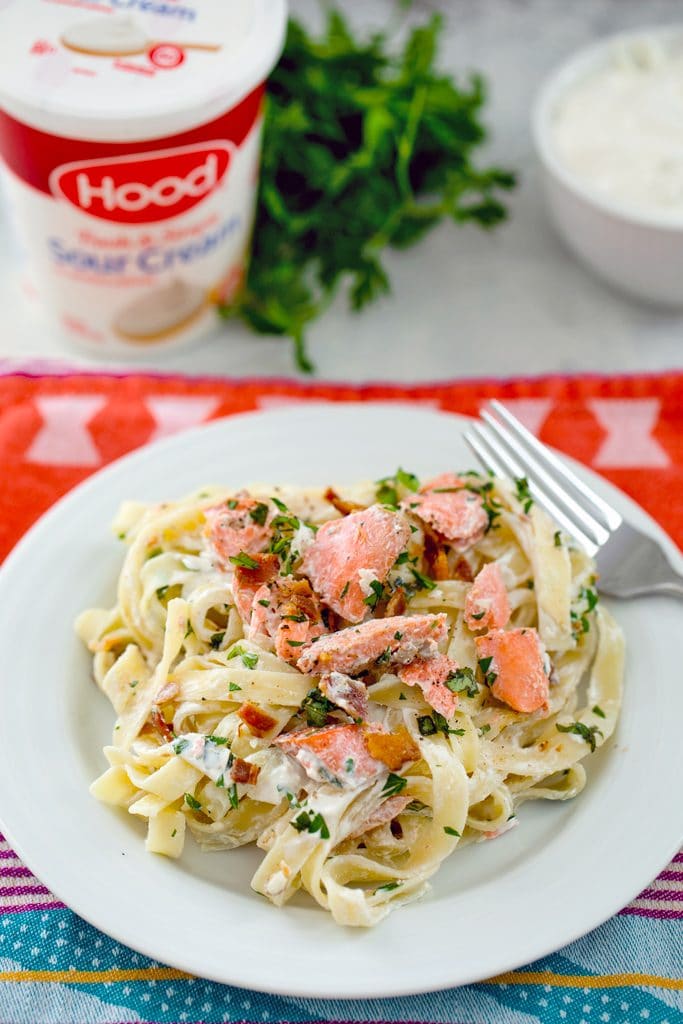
pixel 130 144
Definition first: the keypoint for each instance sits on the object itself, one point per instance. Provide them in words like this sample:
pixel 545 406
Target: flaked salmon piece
pixel 341 755
pixel 430 674
pixel 336 753
pixel 442 482
pixel 457 514
pixel 348 694
pixel 238 524
pixel 247 582
pixel 396 640
pixel 514 661
pixel 386 811
pixel 289 612
pixel 348 554
pixel 487 605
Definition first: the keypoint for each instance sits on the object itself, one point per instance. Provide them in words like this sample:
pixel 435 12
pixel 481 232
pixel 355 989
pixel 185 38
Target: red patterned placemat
pixel 56 429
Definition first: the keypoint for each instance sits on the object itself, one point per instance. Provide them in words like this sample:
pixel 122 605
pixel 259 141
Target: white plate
pixel 494 906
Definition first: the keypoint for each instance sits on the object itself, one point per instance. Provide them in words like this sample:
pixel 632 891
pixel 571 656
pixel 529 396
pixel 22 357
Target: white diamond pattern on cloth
pixel 64 438
pixel 629 423
pixel 179 413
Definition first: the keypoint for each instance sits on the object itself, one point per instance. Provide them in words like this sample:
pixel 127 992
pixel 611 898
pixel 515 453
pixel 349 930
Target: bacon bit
pixel 392 749
pixel 258 722
pixel 158 721
pixel 435 555
pixel 397 603
pixel 463 570
pixel 169 691
pixel 244 772
pixel 341 504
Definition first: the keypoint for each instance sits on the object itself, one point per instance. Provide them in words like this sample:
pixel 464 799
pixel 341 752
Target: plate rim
pixel 541 948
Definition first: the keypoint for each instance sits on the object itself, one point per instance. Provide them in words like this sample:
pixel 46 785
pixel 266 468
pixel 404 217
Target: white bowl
pixel 640 252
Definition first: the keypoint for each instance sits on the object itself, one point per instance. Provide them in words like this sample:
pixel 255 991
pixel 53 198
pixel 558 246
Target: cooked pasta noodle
pixel 359 682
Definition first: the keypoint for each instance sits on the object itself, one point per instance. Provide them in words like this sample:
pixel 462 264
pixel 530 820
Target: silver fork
pixel 629 562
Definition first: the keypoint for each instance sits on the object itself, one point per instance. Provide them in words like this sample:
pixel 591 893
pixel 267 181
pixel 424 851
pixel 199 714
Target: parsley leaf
pixel 192 802
pixel 245 560
pixel 394 784
pixel 316 708
pixel 462 681
pixel 586 732
pixel 307 822
pixel 364 150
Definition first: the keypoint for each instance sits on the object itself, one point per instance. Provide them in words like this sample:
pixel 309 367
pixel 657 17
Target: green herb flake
pixel 451 831
pixel 233 797
pixel 423 582
pixel 349 764
pixel 219 741
pixel 586 732
pixel 249 659
pixel 407 480
pixel 233 688
pixel 597 710
pixel 557 539
pixel 264 602
pixel 244 560
pixel 394 784
pixel 217 640
pixel 462 681
pixel 388 887
pixel 307 822
pixel 192 802
pixel 162 591
pixel 345 590
pixel 179 745
pixel 316 707
pixel 280 505
pixel 259 513
pixel 376 594
pixel 134 683
pixel 484 729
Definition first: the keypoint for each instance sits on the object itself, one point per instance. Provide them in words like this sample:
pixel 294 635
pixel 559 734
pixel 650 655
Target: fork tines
pixel 506 448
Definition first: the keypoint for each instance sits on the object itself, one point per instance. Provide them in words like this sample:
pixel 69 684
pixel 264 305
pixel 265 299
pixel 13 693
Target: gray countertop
pixel 465 303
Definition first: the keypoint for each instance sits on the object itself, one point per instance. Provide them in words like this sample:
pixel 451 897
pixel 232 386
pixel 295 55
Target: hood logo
pixel 143 187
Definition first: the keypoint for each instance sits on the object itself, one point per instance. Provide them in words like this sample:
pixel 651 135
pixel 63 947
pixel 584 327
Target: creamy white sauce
pixel 620 130
pixel 366 577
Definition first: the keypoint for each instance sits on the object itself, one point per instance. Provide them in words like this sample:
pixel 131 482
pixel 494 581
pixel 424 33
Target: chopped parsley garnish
pixel 233 797
pixel 376 594
pixel 249 659
pixel 245 560
pixel 597 710
pixel 192 802
pixel 407 480
pixel 316 707
pixel 478 616
pixel 429 725
pixel 153 553
pixel 451 831
pixel 557 539
pixel 306 822
pixel 259 513
pixel 586 732
pixel 233 687
pixel 402 696
pixel 220 782
pixel 296 643
pixel 179 745
pixel 485 665
pixel 217 640
pixel 285 526
pixel 484 729
pixel 295 618
pixel 398 635
pixel 279 504
pixel 264 602
pixel 579 616
pixel 345 590
pixel 386 492
pixel 423 582
pixel 162 591
pixel 523 493
pixel 174 833
pixel 388 887
pixel 394 784
pixel 349 764
pixel 416 806
pixel 133 683
pixel 403 558
pixel 530 584
pixel 462 681
pixel 220 741
pixel 232 504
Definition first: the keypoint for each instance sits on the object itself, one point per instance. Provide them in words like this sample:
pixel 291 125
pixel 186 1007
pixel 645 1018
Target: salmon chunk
pixel 341 755
pixel 396 640
pixel 336 753
pixel 430 674
pixel 238 524
pixel 248 583
pixel 514 661
pixel 450 509
pixel 386 811
pixel 348 554
pixel 487 605
pixel 348 694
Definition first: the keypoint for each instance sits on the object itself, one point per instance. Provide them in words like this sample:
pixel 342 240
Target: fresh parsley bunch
pixel 362 150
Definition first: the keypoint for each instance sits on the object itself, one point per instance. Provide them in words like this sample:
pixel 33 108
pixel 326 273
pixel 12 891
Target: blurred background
pixel 464 302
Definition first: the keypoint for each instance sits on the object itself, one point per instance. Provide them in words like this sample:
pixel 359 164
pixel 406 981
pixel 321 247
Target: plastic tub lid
pixel 124 70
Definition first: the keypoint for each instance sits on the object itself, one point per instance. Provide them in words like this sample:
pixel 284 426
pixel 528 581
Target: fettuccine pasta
pixel 358 681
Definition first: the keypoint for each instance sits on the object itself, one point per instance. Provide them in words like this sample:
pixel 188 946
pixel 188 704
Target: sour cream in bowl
pixel 608 129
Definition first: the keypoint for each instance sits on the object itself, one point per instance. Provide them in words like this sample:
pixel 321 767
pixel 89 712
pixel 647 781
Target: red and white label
pixel 145 187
